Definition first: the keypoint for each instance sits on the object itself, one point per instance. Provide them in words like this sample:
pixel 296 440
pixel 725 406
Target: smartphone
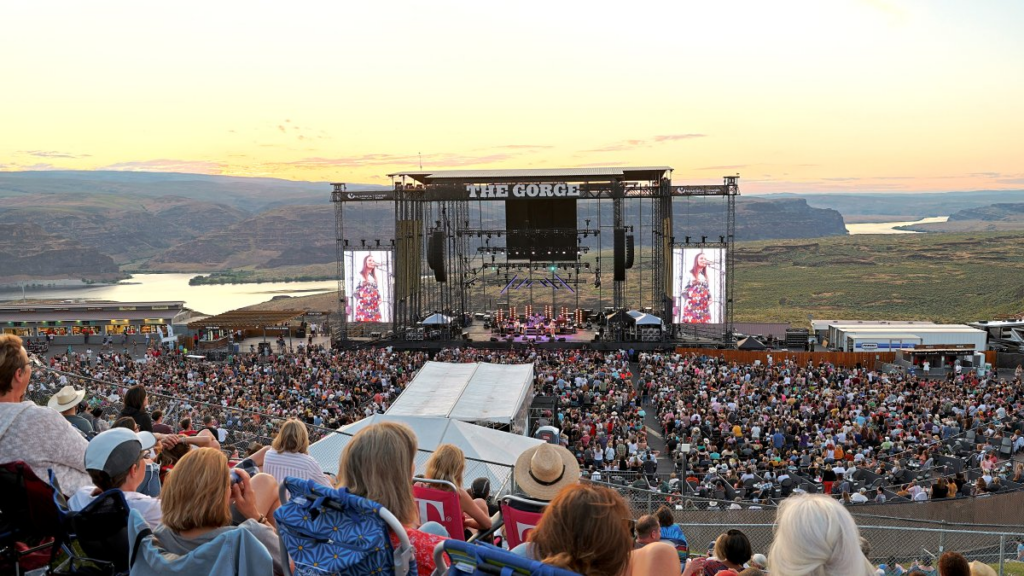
pixel 235 478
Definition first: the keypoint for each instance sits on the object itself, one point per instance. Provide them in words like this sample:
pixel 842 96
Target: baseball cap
pixel 117 450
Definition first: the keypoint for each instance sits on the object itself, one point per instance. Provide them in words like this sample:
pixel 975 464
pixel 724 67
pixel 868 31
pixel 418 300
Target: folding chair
pixel 329 531
pixel 101 530
pixel 480 559
pixel 29 520
pixel 441 506
pixel 518 522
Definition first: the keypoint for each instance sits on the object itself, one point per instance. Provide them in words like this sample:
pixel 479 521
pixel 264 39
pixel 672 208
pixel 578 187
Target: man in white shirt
pixel 860 497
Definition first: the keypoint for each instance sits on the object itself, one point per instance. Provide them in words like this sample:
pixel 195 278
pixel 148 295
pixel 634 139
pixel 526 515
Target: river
pixel 213 299
pixel 890 227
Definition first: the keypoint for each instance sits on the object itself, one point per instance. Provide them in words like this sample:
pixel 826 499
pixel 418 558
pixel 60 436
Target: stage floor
pixel 477 333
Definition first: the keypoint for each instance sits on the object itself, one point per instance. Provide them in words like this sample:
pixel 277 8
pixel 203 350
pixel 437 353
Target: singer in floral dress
pixel 697 293
pixel 367 294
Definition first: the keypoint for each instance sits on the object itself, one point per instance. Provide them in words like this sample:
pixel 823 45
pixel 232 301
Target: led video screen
pixel 698 285
pixel 369 285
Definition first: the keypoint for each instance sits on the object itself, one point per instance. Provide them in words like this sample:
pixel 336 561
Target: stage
pixel 477 333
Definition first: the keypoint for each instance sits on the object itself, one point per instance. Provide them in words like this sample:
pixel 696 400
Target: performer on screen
pixel 697 293
pixel 367 294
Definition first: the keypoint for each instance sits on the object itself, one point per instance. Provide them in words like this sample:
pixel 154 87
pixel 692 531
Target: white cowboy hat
pixel 542 471
pixel 67 398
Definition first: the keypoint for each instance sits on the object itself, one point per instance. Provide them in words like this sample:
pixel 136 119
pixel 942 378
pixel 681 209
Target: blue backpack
pixel 328 531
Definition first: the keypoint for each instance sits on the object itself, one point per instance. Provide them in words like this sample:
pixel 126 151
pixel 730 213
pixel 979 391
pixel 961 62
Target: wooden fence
pixel 851 359
pixel 848 359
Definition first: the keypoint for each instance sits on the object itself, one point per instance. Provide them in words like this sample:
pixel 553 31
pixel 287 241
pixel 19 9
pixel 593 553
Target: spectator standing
pixel 135 403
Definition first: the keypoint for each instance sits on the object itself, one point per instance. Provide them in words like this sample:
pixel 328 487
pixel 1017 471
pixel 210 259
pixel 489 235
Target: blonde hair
pixel 816 536
pixel 447 463
pixel 293 437
pixel 377 464
pixel 196 492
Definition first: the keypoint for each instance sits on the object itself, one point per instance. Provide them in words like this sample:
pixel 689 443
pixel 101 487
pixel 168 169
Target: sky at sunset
pixel 822 95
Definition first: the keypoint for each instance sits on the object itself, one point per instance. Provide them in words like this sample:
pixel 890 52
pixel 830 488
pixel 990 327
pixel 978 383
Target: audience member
pixel 378 464
pixel 289 455
pixel 584 530
pixel 37 435
pixel 197 505
pixel 66 402
pixel 816 536
pixel 448 463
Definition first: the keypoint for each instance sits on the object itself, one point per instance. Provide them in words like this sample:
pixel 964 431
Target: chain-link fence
pixel 987 529
pixel 899 549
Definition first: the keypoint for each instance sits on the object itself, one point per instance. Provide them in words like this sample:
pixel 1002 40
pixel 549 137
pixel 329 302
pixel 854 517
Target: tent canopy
pixel 485 393
pixel 750 343
pixel 476 442
pixel 646 320
pixel 435 319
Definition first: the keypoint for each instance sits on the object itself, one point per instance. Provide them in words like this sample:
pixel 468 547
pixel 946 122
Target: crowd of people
pixel 758 422
pixel 756 426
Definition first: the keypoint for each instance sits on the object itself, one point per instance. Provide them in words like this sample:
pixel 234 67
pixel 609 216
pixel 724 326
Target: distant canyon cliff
pixel 88 224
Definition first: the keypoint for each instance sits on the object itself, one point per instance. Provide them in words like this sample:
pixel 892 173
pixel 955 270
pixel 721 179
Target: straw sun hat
pixel 67 398
pixel 542 471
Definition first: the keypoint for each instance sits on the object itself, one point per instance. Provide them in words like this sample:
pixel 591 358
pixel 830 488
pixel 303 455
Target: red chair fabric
pixel 518 523
pixel 441 506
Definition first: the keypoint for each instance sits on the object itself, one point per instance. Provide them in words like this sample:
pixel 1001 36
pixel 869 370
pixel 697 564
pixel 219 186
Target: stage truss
pixel 463 211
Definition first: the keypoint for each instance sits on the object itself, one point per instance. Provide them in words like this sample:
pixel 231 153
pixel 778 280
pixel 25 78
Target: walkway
pixel 654 437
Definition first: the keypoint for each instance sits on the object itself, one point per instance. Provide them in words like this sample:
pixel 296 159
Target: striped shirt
pixel 283 464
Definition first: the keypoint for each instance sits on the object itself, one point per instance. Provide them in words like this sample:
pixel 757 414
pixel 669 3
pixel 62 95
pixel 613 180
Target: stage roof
pixel 491 393
pixel 536 175
pixel 247 319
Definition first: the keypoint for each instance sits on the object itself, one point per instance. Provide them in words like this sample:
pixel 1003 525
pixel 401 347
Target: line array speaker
pixel 619 255
pixel 629 251
pixel 435 256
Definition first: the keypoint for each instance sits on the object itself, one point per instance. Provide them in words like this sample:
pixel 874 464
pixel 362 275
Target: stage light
pixel 703 239
pixel 552 268
pixel 721 239
pixel 687 241
pixel 378 242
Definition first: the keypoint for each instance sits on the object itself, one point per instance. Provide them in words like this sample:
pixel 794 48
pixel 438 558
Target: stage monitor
pixel 698 285
pixel 369 278
pixel 541 230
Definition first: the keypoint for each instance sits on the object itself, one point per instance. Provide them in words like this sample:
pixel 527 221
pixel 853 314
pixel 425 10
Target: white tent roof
pixel 476 442
pixel 437 319
pixel 647 320
pixel 493 393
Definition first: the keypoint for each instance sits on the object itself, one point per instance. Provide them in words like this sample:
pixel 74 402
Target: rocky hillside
pixel 993 218
pixel 993 213
pixel 27 252
pixel 125 228
pixel 757 218
pixel 297 235
pixel 760 219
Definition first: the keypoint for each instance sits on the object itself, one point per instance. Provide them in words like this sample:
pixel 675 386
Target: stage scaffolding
pixel 463 213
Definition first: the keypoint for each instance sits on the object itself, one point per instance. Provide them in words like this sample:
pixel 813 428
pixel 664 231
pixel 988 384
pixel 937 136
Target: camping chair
pixel 236 552
pixel 330 531
pixel 29 521
pixel 441 506
pixel 101 530
pixel 518 522
pixel 480 559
